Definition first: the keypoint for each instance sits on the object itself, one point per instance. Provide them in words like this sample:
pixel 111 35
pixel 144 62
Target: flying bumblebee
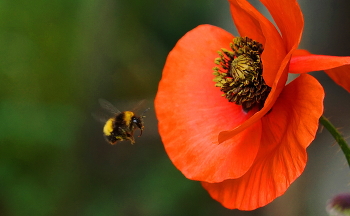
pixel 122 126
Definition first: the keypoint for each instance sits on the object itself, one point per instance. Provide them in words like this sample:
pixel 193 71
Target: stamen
pixel 239 74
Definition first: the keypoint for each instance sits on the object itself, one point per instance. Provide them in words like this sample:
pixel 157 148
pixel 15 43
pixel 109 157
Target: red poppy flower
pixel 336 67
pixel 244 154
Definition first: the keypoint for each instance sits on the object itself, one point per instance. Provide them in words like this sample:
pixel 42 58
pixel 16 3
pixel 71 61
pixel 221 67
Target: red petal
pixel 341 76
pixel 246 24
pixel 289 19
pixel 287 131
pixel 336 67
pixel 309 63
pixel 251 23
pixel 191 111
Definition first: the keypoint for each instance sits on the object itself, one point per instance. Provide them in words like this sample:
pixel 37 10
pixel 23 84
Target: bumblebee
pixel 122 126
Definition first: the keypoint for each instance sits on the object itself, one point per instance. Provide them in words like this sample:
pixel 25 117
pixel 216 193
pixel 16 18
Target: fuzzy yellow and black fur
pixel 122 126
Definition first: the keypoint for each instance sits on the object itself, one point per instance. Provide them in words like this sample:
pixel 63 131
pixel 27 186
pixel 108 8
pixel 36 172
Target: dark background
pixel 58 57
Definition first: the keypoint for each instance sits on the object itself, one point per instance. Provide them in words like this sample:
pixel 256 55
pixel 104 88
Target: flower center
pixel 239 73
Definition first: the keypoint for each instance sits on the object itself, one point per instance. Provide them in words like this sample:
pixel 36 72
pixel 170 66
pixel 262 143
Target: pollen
pixel 238 73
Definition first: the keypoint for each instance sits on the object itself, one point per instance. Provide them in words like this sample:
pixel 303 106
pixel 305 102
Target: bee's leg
pixel 139 125
pixel 118 138
pixel 141 129
pixel 132 140
pixel 129 136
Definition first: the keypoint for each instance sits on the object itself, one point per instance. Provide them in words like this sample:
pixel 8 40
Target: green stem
pixel 337 136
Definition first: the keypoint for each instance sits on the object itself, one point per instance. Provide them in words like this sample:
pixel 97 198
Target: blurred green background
pixel 58 57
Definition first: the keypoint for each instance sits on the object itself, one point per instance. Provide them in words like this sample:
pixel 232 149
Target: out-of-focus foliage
pixel 56 59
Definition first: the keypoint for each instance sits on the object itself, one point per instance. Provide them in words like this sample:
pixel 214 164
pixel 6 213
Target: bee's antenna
pixel 142 115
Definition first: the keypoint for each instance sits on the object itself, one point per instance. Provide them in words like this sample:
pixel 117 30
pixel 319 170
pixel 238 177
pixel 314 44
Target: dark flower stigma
pixel 239 73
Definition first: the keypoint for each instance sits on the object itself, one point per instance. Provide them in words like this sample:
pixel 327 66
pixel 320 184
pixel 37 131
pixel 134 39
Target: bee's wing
pixel 141 106
pixel 100 117
pixel 108 106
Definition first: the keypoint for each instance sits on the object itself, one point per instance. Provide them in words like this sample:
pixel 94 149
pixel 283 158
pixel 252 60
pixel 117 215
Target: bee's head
pixel 138 122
